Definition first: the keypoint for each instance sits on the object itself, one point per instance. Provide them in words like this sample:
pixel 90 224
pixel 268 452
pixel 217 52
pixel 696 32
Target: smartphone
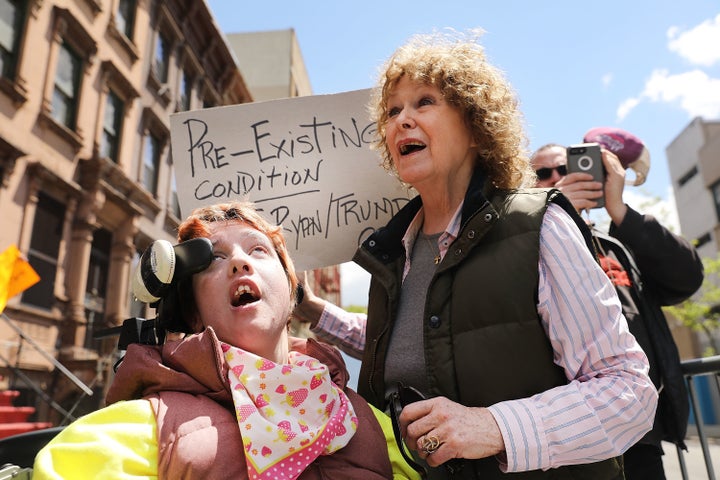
pixel 587 158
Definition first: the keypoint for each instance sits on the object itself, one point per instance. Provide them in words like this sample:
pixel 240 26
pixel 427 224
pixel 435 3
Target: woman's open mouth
pixel 410 147
pixel 244 295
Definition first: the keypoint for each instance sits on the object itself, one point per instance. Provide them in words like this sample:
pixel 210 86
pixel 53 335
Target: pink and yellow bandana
pixel 289 414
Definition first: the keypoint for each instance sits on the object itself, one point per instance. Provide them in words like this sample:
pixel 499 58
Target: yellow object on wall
pixel 16 274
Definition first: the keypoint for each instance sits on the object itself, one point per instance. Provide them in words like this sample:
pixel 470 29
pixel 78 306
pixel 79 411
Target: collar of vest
pixel 385 244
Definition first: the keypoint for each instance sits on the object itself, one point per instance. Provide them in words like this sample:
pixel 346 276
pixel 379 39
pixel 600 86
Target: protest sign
pixel 305 162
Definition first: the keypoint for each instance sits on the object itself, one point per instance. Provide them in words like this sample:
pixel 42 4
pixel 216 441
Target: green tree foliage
pixel 701 312
pixel 356 309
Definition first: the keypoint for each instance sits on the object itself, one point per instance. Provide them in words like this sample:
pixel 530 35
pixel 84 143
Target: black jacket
pixel 663 269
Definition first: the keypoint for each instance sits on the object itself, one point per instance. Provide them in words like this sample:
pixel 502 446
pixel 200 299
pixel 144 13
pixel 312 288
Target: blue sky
pixel 647 66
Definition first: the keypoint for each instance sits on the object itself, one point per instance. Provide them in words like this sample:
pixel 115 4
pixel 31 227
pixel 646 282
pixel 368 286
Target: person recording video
pixel 649 267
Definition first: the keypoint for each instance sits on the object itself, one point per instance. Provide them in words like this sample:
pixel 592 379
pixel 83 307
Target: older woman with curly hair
pixel 485 296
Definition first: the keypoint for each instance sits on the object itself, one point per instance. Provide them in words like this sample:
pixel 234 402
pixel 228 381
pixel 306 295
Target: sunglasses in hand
pixel 399 399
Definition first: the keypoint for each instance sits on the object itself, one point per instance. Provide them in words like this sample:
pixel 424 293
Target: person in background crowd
pixel 484 297
pixel 236 397
pixel 649 267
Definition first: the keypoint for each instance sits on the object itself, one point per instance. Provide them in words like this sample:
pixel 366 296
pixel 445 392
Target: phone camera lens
pixel 585 162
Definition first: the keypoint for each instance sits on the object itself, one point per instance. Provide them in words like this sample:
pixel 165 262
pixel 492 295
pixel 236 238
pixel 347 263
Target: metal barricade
pixel 709 366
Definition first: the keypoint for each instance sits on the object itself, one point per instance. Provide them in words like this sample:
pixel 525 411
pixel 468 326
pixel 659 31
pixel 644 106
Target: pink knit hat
pixel 630 150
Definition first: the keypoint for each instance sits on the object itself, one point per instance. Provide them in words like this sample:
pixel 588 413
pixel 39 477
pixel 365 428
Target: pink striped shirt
pixel 609 401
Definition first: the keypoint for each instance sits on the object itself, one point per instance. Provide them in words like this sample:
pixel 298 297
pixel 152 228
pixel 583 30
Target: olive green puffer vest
pixel 484 342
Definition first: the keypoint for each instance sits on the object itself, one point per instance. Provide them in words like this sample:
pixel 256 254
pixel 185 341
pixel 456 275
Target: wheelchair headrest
pixel 162 265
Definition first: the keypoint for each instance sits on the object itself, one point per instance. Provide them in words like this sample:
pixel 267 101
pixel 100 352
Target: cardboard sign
pixel 305 162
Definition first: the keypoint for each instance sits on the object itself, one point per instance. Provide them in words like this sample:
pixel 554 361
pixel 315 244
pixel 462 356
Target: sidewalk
pixel 694 460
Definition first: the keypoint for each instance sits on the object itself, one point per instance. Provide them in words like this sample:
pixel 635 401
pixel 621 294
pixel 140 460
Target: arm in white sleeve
pixel 609 401
pixel 344 329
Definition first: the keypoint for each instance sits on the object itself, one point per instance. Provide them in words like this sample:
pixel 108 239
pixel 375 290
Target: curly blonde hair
pixel 456 64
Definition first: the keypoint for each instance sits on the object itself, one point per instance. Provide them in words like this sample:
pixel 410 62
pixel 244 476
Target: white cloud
pixel 607 79
pixel 699 45
pixel 694 91
pixel 626 107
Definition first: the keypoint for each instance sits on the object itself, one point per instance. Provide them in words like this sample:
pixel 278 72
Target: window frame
pixel 126 26
pixel 96 286
pixel 150 140
pixel 174 200
pixel 14 85
pixel 715 192
pixel 117 127
pixel 185 90
pixel 702 240
pixel 38 258
pixel 125 36
pixel 69 99
pixel 11 58
pixel 161 78
pixel 116 83
pixel 687 176
pixel 154 127
pixel 161 63
pixel 135 307
pixel 67 30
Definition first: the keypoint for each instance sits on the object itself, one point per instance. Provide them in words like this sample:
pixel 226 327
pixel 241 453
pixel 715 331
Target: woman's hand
pixel 461 432
pixel 311 307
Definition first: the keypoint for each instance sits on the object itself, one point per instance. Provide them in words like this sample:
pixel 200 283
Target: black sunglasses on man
pixel 546 172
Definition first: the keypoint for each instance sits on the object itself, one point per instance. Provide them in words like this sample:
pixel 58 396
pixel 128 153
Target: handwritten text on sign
pixel 305 162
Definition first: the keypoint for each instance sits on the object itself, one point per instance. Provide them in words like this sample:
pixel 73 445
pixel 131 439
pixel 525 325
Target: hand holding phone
pixel 587 158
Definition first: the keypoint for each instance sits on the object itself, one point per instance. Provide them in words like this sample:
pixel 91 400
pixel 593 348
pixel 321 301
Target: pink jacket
pixel 198 434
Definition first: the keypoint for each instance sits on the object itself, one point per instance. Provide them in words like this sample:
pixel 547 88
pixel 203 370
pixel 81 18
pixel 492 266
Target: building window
pixel 72 49
pixel 118 100
pixel 125 19
pixel 12 14
pixel 154 139
pixel 112 126
pixel 702 240
pixel 174 200
pixel 686 178
pixel 67 87
pixel 96 286
pixel 136 308
pixel 151 163
pixel 162 58
pixel 185 91
pixel 44 250
pixel 715 189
